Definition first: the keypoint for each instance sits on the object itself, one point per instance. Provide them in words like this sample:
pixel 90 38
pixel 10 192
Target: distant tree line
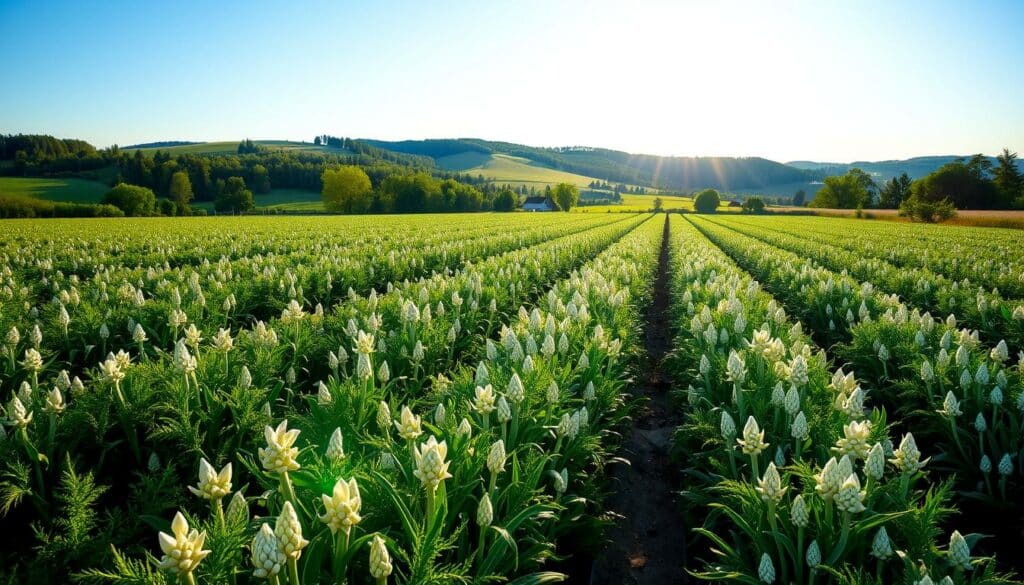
pixel 973 183
pixel 42 147
pixel 231 180
pixel 617 188
pixel 34 154
pixel 162 144
pixel 247 146
pixel 349 189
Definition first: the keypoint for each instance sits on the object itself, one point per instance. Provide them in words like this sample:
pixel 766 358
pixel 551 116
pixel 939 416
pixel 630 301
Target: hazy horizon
pixel 786 81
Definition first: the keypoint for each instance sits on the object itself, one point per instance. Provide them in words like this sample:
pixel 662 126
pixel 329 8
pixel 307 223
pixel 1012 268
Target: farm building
pixel 538 204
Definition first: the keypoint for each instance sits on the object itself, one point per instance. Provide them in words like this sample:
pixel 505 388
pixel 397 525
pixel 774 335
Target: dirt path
pixel 648 544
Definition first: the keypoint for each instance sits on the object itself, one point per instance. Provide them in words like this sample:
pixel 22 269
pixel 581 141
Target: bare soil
pixel 648 543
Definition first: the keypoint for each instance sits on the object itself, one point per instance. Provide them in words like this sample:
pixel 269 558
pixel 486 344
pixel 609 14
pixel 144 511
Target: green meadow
pixel 54 189
pixel 513 170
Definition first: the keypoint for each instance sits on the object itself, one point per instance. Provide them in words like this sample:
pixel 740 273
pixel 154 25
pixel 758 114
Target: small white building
pixel 538 204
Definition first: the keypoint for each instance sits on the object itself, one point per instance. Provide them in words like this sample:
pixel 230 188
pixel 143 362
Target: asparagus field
pixel 439 399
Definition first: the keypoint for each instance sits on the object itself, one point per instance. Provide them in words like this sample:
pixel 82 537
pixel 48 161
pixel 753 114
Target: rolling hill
pixel 916 167
pixel 536 167
pixel 514 170
pixel 229 147
pixel 660 172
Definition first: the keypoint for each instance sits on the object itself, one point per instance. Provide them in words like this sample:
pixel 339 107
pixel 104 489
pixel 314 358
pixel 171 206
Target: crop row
pixel 794 477
pixel 958 395
pixel 146 417
pixel 986 256
pixel 94 309
pixel 986 310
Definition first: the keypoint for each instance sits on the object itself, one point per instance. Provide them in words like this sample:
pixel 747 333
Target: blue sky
pixel 823 80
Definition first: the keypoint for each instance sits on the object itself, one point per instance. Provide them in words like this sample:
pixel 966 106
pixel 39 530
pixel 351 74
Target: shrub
pixel 706 201
pixel 918 209
pixel 753 205
pixel 16 206
pixel 167 207
pixel 132 199
pixel 105 210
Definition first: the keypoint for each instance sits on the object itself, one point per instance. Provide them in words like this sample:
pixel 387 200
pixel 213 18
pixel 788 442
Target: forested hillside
pixel 672 173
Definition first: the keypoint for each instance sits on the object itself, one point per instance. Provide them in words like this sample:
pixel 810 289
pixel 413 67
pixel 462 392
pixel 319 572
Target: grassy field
pixel 1013 219
pixel 84 191
pixel 638 203
pixel 231 147
pixel 514 170
pixel 71 190
pixel 646 203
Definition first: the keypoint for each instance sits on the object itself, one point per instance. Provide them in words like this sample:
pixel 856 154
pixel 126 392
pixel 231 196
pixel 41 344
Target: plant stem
pixel 514 433
pixel 798 565
pixel 286 488
pixel 480 546
pixel 430 505
pixel 732 462
pixel 34 457
pixel 340 547
pixel 843 537
pixel 293 571
pixel 956 437
pixel 52 434
pixel 778 545
pixel 220 512
pixel 739 401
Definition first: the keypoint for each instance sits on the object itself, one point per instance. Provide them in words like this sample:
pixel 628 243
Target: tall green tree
pixel 707 201
pixel 456 196
pixel 565 195
pixel 260 179
pixel 233 196
pixel 181 192
pixel 409 193
pixel 347 189
pixel 843 192
pixel 870 187
pixel 894 191
pixel 799 198
pixel 1008 179
pixel 506 200
pixel 964 183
